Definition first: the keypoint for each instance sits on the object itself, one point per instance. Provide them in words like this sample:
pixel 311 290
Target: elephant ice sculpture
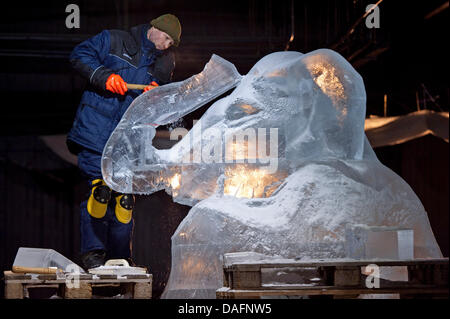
pixel 280 166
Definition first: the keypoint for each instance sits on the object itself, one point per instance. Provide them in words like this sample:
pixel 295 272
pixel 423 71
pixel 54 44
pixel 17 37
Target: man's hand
pixel 151 86
pixel 116 84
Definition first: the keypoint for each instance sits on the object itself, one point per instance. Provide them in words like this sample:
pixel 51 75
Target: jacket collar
pixel 139 39
pixel 147 45
pixel 133 43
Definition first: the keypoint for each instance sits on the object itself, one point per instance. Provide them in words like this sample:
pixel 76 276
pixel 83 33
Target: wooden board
pixel 135 286
pixel 337 277
pixel 251 266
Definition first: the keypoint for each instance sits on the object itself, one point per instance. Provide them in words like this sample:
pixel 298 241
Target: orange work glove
pixel 151 86
pixel 116 84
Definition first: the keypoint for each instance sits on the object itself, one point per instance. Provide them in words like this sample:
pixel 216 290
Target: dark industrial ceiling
pixel 406 58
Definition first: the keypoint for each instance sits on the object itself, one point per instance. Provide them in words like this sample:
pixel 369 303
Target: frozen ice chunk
pixel 44 258
pixel 364 242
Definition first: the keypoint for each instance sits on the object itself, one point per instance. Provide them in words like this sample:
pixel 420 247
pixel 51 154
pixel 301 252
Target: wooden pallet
pixel 18 286
pixel 339 278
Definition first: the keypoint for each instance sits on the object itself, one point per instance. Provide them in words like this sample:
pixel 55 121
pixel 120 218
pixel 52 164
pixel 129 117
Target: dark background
pixel 406 58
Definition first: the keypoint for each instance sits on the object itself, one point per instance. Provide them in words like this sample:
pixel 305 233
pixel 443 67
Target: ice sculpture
pixel 281 166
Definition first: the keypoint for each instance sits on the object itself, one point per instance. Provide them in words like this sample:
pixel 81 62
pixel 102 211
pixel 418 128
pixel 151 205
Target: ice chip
pixel 364 242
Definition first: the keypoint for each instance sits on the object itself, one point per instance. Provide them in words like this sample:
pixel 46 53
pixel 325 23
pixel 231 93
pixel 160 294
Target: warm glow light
pixel 242 181
pixel 249 109
pixel 325 76
pixel 175 181
pixel 194 266
pixel 276 73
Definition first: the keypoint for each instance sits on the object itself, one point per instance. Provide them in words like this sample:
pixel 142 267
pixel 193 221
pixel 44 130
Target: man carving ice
pixel 109 61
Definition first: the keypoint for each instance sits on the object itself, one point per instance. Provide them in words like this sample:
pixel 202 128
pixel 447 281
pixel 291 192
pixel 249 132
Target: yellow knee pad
pixel 124 208
pixel 99 198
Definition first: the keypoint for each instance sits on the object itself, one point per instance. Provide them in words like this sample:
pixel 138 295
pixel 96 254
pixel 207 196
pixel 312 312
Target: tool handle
pixel 136 86
pixel 34 270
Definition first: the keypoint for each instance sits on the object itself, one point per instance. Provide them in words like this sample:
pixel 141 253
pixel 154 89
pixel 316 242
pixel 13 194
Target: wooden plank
pixel 13 291
pixel 36 281
pixel 63 281
pixel 9 275
pixel 142 290
pixel 82 276
pixel 24 278
pixel 246 279
pixel 107 276
pixel 83 292
pixel 246 266
pixel 110 284
pixel 47 277
pixel 138 276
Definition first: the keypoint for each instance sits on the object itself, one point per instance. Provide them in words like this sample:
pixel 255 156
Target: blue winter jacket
pixel 135 59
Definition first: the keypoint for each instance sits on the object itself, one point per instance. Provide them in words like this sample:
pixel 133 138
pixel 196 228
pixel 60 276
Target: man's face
pixel 161 39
